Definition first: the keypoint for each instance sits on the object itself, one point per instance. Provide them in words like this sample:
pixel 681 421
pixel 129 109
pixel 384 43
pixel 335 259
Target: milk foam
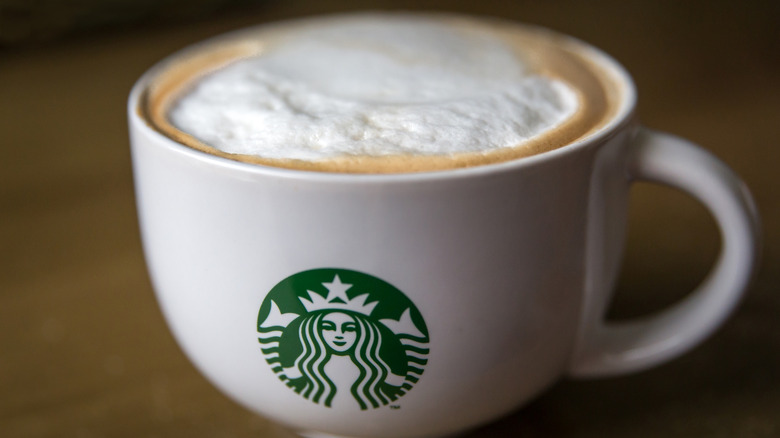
pixel 374 87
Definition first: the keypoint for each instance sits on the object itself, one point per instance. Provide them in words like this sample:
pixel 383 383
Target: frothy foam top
pixel 374 87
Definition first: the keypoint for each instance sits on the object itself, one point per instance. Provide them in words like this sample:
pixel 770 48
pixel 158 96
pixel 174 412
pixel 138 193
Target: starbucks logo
pixel 339 337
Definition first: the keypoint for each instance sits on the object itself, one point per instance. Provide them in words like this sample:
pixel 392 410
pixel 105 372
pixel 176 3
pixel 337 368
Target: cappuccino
pixel 382 93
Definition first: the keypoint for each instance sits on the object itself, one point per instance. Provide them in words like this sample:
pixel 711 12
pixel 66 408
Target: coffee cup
pixel 431 295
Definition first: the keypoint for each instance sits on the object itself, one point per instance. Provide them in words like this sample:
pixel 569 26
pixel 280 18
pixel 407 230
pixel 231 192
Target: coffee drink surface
pixel 383 93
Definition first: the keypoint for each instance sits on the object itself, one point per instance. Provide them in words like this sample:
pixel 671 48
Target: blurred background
pixel 84 351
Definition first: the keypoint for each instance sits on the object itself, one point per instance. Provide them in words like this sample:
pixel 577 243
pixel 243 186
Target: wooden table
pixel 84 351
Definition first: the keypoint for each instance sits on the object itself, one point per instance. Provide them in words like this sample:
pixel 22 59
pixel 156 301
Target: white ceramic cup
pixel 420 305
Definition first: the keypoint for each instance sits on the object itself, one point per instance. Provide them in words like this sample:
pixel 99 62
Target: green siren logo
pixel 339 337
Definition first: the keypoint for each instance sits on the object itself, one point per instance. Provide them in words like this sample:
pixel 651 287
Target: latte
pixel 382 93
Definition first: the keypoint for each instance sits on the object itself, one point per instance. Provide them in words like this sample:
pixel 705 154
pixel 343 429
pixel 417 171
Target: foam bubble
pixel 374 87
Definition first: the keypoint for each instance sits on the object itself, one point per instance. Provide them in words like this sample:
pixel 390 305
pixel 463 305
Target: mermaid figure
pixel 337 346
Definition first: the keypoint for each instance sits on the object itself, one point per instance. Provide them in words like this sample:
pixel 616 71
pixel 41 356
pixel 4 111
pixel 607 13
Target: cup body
pixel 492 257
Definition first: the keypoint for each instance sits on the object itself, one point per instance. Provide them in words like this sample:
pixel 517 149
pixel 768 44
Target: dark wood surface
pixel 84 351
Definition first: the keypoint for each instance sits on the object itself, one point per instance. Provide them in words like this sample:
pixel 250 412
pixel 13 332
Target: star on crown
pixel 337 299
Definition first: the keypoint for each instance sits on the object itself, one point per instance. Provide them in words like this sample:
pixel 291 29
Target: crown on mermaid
pixel 337 299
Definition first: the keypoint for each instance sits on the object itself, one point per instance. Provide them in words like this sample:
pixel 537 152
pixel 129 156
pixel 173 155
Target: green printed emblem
pixel 340 337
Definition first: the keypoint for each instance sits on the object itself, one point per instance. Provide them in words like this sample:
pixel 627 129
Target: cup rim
pixel 622 116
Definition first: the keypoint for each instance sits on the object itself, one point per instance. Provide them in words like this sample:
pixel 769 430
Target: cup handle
pixel 614 348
